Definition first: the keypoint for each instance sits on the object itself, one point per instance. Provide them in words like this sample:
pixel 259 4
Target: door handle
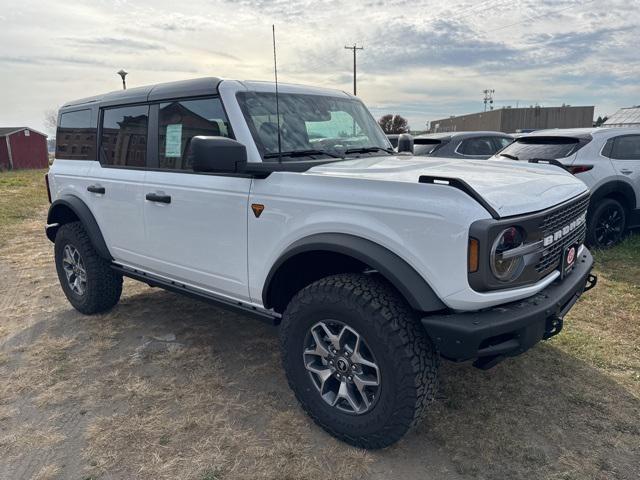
pixel 95 189
pixel 158 197
pixel 626 172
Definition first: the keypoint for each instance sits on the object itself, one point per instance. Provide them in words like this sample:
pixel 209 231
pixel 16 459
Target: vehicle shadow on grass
pixel 545 414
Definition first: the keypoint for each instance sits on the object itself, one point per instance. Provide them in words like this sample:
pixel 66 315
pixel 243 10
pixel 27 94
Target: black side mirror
pixel 217 154
pixel 405 143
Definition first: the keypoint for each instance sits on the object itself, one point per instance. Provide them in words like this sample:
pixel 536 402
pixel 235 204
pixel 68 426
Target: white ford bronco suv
pixel 292 207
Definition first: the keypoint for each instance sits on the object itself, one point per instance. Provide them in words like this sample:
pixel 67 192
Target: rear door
pixel 625 155
pixel 114 190
pixel 196 224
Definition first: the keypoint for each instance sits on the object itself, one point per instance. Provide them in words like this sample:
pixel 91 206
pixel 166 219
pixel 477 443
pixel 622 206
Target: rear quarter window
pixel 76 136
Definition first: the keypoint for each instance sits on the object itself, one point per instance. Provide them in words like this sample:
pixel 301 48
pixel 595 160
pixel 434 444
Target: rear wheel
pixel 87 280
pixel 607 224
pixel 357 359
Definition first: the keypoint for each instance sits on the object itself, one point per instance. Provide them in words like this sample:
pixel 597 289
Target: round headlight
pixel 506 269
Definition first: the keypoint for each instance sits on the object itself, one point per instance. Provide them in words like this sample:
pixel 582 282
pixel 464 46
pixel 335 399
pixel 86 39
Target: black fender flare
pixel 411 285
pixel 59 215
pixel 616 186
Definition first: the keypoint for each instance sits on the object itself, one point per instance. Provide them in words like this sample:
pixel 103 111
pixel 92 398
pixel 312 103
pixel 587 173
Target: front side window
pixel 76 136
pixel 626 147
pixel 543 148
pixel 180 121
pixel 310 123
pixel 124 136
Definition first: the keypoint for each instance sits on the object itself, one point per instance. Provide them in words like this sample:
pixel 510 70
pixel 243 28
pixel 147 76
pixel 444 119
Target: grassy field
pixel 165 387
pixel 22 194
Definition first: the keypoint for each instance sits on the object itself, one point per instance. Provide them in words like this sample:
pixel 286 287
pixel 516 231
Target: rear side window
pixel 124 136
pixel 179 122
pixel 75 136
pixel 546 148
pixel 626 147
pixel 477 146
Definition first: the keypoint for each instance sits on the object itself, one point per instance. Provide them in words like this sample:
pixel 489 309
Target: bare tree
pixel 51 120
pixel 393 124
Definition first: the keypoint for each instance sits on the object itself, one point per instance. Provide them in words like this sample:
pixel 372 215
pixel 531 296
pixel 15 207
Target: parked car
pixel 607 160
pixel 372 264
pixel 469 145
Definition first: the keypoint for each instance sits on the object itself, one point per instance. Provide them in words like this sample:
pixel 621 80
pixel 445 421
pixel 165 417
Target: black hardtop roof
pixel 161 91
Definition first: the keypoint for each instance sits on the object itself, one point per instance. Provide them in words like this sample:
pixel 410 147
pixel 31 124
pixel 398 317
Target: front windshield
pixel 312 125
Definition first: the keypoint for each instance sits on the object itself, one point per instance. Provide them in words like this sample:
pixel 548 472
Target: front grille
pixel 555 221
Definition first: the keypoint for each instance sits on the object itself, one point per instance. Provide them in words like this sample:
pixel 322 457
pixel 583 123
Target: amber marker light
pixel 473 255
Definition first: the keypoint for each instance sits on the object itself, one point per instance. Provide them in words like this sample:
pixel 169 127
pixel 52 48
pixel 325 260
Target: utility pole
pixel 488 98
pixel 354 48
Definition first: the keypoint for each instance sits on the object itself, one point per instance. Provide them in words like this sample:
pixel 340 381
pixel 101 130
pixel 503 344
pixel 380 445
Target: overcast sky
pixel 423 59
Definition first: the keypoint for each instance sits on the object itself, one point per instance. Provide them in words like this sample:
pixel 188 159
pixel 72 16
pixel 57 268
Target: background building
pixel 625 117
pixel 510 120
pixel 22 147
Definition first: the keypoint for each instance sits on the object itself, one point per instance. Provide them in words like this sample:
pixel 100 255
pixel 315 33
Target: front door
pixel 625 156
pixel 196 224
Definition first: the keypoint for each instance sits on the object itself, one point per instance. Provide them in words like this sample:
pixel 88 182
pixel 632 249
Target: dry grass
pixel 48 472
pixel 188 423
pixel 22 192
pixel 604 327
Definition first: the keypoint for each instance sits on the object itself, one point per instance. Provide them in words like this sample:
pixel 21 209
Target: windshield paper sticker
pixel 173 143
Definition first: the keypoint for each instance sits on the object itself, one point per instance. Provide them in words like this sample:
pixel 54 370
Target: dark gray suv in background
pixel 477 145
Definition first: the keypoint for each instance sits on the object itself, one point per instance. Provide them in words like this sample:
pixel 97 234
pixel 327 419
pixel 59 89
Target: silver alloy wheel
pixel 342 367
pixel 74 270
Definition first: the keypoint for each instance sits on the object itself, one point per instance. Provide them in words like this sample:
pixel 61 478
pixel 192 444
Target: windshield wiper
pixel 508 155
pixel 550 161
pixel 301 153
pixel 367 150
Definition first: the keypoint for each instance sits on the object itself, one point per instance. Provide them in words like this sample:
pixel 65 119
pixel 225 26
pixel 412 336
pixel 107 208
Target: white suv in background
pixel 294 209
pixel 606 159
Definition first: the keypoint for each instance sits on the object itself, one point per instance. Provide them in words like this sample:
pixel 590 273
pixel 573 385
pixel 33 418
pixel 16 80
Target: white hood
pixel 510 187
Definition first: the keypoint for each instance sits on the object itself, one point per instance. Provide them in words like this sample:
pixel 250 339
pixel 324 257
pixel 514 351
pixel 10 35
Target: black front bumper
pixel 510 329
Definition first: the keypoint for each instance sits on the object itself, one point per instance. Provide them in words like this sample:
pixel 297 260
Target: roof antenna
pixel 275 71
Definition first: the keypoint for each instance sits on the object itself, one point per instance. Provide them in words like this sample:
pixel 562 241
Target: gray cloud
pixel 114 44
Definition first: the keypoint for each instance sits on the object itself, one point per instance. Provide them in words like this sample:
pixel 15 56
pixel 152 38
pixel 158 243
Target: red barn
pixel 22 147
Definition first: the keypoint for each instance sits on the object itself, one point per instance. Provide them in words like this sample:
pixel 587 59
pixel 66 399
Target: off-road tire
pixel 103 285
pixel 599 211
pixel 407 359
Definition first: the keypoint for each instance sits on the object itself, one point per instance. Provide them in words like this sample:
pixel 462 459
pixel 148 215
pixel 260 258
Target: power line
pixel 354 48
pixel 537 17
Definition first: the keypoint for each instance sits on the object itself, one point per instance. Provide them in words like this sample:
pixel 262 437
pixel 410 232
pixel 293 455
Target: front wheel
pixel 607 224
pixel 357 359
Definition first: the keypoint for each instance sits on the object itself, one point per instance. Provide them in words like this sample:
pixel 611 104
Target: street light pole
pixel 354 48
pixel 123 74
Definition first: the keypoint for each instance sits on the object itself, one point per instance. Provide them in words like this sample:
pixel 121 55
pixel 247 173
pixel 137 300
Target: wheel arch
pixel 618 190
pixel 70 208
pixel 332 253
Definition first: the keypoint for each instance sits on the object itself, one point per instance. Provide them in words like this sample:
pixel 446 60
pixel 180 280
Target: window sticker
pixel 173 143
